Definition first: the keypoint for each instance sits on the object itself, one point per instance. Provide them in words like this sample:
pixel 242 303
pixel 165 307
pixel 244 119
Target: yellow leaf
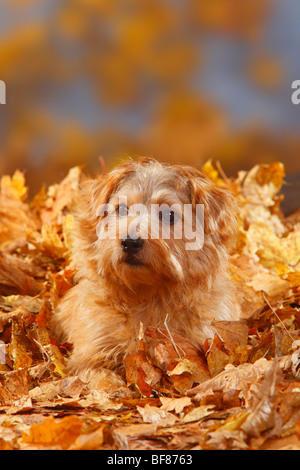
pixel 48 241
pixel 293 279
pixel 233 423
pixel 209 171
pixel 184 365
pixel 269 283
pixel 14 186
pixel 271 248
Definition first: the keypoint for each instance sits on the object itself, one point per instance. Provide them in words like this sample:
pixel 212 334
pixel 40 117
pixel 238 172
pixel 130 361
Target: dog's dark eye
pixel 122 210
pixel 168 216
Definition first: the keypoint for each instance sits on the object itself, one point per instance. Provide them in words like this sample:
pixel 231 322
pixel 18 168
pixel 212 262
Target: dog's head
pixel 147 223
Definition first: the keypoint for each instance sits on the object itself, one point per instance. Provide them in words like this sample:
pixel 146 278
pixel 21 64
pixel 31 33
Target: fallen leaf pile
pixel 240 390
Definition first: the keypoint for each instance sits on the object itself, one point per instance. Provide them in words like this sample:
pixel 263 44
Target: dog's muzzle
pixel 131 245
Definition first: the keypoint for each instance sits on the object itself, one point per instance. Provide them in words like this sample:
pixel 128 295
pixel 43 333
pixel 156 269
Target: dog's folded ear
pixel 93 194
pixel 99 190
pixel 220 207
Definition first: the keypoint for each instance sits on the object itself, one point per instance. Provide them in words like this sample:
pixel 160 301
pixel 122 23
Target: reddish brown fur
pixel 101 315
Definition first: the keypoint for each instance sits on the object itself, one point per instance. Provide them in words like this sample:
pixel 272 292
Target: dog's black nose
pixel 131 245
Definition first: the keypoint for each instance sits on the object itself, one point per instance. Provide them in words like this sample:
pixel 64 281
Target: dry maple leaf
pixel 13 279
pixel 217 356
pixel 182 370
pixel 175 404
pixel 233 378
pixel 264 415
pixel 68 387
pixel 234 334
pixel 13 385
pixel 152 414
pixel 140 372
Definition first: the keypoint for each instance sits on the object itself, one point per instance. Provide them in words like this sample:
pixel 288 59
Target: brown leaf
pixel 62 282
pixel 20 350
pixel 51 351
pixel 68 387
pixel 243 268
pixel 163 350
pixel 140 372
pixel 233 378
pixel 152 414
pixel 13 280
pixel 263 415
pixel 234 334
pixel 13 385
pixel 22 405
pixel 175 404
pixel 217 356
pixel 12 302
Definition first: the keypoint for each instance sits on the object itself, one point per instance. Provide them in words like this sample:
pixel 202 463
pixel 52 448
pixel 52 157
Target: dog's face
pixel 148 224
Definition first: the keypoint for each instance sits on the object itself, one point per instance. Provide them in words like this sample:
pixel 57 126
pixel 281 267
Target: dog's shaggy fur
pixel 116 291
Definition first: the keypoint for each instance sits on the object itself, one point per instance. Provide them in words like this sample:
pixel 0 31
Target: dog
pixel 127 279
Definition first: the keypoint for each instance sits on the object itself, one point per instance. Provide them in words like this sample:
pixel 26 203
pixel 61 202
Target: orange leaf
pixel 141 372
pixel 52 433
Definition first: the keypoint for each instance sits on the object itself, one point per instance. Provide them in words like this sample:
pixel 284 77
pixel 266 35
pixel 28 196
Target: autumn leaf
pixel 234 334
pixel 47 241
pixel 68 387
pixel 217 356
pixel 14 187
pixel 175 404
pixel 264 415
pixel 60 197
pixel 63 281
pixel 15 280
pixel 13 385
pixel 177 357
pixel 20 350
pixel 53 433
pixel 93 440
pixel 156 415
pixel 141 373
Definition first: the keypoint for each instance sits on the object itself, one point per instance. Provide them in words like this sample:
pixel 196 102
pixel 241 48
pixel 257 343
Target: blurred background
pixel 182 81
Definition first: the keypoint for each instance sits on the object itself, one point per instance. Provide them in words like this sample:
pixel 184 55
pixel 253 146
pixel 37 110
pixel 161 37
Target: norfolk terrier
pixel 151 240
